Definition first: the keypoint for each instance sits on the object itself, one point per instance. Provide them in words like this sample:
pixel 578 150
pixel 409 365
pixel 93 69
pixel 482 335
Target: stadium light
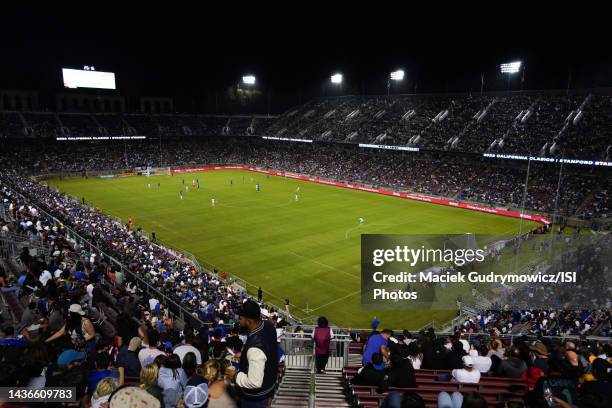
pixel 248 79
pixel 397 75
pixel 510 67
pixel 336 79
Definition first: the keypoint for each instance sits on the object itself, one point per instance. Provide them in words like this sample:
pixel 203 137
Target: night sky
pixel 194 54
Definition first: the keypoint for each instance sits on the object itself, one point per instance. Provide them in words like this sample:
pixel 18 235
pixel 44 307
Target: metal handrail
pixel 312 394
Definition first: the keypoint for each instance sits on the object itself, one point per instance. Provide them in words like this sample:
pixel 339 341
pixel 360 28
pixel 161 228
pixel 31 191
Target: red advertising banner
pixel 410 196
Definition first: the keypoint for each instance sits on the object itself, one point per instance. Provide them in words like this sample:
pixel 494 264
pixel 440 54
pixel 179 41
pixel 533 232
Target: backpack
pixel 102 326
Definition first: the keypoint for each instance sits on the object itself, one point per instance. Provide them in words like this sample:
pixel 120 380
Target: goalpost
pixel 150 171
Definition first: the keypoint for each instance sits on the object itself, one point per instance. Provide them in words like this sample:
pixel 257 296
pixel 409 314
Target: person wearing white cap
pixel 467 374
pixel 196 392
pixel 77 327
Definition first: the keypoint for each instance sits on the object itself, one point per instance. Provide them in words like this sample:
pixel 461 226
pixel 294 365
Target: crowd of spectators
pixel 46 125
pixel 10 125
pixel 527 122
pixel 551 322
pixel 41 125
pixel 463 177
pixel 572 372
pixel 87 320
pixel 79 125
pixel 476 121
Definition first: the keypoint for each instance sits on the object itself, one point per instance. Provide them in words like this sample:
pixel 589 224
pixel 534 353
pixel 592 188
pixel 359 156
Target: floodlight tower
pixel 336 80
pixel 248 79
pixel 394 76
pixel 511 68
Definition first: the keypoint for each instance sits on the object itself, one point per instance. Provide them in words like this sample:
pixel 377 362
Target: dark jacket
pixel 453 359
pixel 263 338
pixel 402 376
pixel 511 368
pixel 370 376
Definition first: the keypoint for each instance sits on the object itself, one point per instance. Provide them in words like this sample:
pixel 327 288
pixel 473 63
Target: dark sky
pixel 184 52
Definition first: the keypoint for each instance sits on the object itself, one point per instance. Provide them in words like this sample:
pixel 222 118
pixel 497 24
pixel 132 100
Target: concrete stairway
pixel 294 390
pixel 329 391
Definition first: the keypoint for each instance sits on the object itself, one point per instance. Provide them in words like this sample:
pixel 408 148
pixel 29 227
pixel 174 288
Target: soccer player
pixel 257 187
pixel 149 185
pixel 212 201
pixel 187 188
pixel 192 182
pixel 183 181
pixel 181 194
pixel 297 198
pixel 361 221
pixel 158 184
pixel 231 182
pixel 297 190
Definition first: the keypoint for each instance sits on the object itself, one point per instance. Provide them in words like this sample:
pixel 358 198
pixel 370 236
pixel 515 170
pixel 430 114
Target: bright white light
pixel 510 67
pixel 336 79
pixel 76 78
pixel 248 79
pixel 397 75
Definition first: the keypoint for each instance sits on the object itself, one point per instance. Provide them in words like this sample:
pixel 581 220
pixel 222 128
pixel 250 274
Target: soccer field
pixel 306 250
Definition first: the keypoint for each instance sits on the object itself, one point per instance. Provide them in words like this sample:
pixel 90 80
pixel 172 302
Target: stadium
pixel 386 236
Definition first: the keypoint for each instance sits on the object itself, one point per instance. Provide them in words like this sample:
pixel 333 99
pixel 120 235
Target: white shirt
pixel 466 345
pixel 44 277
pixel 152 303
pixel 482 364
pixel 257 362
pixel 182 351
pixel 148 355
pixel 465 376
pixel 416 362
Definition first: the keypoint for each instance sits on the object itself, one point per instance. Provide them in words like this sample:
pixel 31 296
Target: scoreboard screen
pixel 78 78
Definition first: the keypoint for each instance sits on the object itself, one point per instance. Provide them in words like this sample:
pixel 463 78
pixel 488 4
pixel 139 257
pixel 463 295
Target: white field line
pixel 325 265
pixel 335 301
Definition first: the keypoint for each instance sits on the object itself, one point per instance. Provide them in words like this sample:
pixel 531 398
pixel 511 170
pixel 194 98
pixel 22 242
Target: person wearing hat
pixel 72 372
pixel 540 356
pixel 130 396
pixel 77 327
pixel 70 358
pixel 196 392
pixel 256 377
pixel 467 374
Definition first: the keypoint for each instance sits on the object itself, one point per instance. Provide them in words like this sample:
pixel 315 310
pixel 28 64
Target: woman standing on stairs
pixel 322 336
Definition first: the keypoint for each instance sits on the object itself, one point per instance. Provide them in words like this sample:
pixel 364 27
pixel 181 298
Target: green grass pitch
pixel 308 251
